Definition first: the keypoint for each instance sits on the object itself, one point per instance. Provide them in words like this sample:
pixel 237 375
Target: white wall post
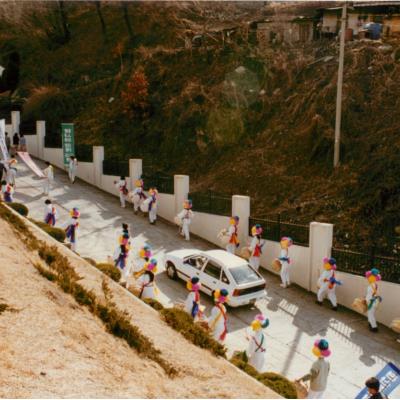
pixel 15 121
pixel 241 208
pixel 135 169
pixel 181 191
pixel 98 158
pixel 321 240
pixel 40 134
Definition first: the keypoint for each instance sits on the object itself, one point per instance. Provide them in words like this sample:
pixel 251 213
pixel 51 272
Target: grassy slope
pixel 277 147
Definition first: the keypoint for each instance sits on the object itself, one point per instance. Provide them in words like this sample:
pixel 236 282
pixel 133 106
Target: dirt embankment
pixel 52 347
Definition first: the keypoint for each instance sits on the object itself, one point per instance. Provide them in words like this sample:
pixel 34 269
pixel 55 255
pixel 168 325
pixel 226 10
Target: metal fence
pixel 358 263
pixel 115 167
pixel 163 183
pixel 275 229
pixel 28 127
pixel 84 152
pixel 53 141
pixel 212 203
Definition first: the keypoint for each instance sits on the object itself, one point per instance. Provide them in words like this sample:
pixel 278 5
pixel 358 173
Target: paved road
pixel 295 320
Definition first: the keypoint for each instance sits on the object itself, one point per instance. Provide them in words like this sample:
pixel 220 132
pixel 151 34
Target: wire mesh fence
pixel 53 140
pixel 84 152
pixel 212 203
pixel 163 183
pixel 275 229
pixel 115 167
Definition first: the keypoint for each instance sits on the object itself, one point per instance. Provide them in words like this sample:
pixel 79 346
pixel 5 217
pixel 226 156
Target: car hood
pixel 182 253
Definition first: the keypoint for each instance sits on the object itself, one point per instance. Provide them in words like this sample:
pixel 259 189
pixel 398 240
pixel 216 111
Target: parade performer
pixel 121 185
pixel 318 375
pixel 12 171
pixel 186 216
pixel 72 167
pixel 218 318
pixel 372 298
pixel 327 283
pixel 7 190
pixel 49 178
pixel 150 265
pixel 256 246
pixel 72 227
pixel 143 257
pixel 147 286
pixel 256 350
pixel 233 243
pixel 122 252
pixel 153 196
pixel 138 196
pixel 50 213
pixel 286 242
pixel 192 303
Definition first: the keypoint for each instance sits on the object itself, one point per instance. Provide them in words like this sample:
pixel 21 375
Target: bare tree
pixel 102 22
pixel 124 6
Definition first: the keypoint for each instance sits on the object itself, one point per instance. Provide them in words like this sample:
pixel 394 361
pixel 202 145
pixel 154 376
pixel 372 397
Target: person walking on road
pixel 72 167
pixel 192 303
pixel 7 190
pixel 372 297
pixel 153 203
pixel 12 172
pixel 327 283
pixel 22 142
pixel 285 243
pixel 233 243
pixel 256 246
pixel 122 253
pixel 50 213
pixel 256 350
pixel 121 185
pixel 138 196
pixel 48 179
pixel 318 375
pixel 218 318
pixel 15 145
pixel 186 216
pixel 72 228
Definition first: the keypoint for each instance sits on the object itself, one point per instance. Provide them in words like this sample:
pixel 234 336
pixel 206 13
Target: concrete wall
pixel 166 206
pixel 107 184
pixel 208 226
pixel 32 145
pixel 85 171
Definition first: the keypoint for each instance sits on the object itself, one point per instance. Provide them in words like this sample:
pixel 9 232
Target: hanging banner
pixel 389 378
pixel 26 158
pixel 3 147
pixel 68 141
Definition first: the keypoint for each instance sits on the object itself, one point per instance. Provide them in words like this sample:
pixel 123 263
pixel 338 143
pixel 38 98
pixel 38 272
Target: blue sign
pixel 389 378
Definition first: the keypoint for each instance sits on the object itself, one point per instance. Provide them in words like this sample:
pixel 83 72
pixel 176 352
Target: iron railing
pixel 53 140
pixel 84 152
pixel 28 127
pixel 358 263
pixel 115 167
pixel 212 203
pixel 275 229
pixel 163 183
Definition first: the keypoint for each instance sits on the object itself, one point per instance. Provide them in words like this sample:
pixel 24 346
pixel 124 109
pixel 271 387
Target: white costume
pixel 217 322
pixel 191 298
pixel 137 198
pixel 326 287
pixel 285 269
pixel 48 180
pixel 72 230
pixel 49 214
pixel 373 301
pixel 256 350
pixel 11 175
pixel 121 186
pixel 147 288
pixel 255 248
pixel 231 246
pixel 72 167
pixel 186 217
pixel 153 210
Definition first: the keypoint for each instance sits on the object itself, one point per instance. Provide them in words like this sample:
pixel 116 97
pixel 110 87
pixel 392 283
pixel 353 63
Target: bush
pixel 154 303
pixel 275 382
pixel 56 233
pixel 19 208
pixel 182 322
pixel 110 270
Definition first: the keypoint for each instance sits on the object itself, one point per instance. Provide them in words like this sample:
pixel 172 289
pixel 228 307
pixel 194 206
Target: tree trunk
pixel 64 21
pixel 100 15
pixel 127 20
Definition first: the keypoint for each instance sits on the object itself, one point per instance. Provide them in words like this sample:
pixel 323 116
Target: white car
pixel 218 269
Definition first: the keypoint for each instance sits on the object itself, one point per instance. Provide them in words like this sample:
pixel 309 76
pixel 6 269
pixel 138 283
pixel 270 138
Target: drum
pixel 144 207
pixel 178 221
pixel 276 265
pixel 359 305
pixel 223 237
pixel 301 389
pixel 245 253
pixel 395 325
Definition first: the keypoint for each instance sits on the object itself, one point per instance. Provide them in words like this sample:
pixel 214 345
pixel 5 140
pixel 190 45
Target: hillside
pixel 53 347
pixel 235 117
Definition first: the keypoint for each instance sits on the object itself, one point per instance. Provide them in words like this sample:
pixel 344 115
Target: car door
pixel 210 277
pixel 192 266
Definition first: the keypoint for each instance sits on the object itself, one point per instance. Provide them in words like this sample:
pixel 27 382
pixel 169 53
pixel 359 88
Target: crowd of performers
pixel 144 269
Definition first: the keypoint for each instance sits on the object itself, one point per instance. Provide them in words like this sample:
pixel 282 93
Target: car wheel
pixel 171 271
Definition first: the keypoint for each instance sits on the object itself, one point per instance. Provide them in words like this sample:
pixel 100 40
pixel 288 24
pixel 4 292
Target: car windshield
pixel 244 274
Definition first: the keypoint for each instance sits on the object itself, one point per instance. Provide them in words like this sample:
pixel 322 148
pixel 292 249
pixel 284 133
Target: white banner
pixel 26 158
pixel 3 147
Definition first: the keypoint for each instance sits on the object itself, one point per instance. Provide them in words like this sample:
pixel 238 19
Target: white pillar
pixel 321 240
pixel 40 134
pixel 241 208
pixel 98 158
pixel 135 169
pixel 15 121
pixel 181 191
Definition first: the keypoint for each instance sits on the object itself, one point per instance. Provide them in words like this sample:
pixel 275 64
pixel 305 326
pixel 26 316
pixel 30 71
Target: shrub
pixel 19 208
pixel 181 321
pixel 3 307
pixel 90 261
pixel 154 303
pixel 56 233
pixel 110 270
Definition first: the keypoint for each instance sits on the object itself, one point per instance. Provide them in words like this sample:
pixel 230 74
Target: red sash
pixel 257 250
pixel 223 313
pixel 234 239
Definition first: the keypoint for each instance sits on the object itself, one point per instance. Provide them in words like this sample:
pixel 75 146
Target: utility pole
pixel 336 157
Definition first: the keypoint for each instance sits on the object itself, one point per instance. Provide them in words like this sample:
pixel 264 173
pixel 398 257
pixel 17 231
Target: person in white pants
pixel 72 167
pixel 186 216
pixel 122 253
pixel 327 283
pixel 256 246
pixel 48 179
pixel 153 193
pixel 138 196
pixel 233 235
pixel 318 375
pixel 372 298
pixel 12 172
pixel 123 190
pixel 256 350
pixel 285 243
pixel 192 302
pixel 218 318
pixel 147 286
pixel 72 227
